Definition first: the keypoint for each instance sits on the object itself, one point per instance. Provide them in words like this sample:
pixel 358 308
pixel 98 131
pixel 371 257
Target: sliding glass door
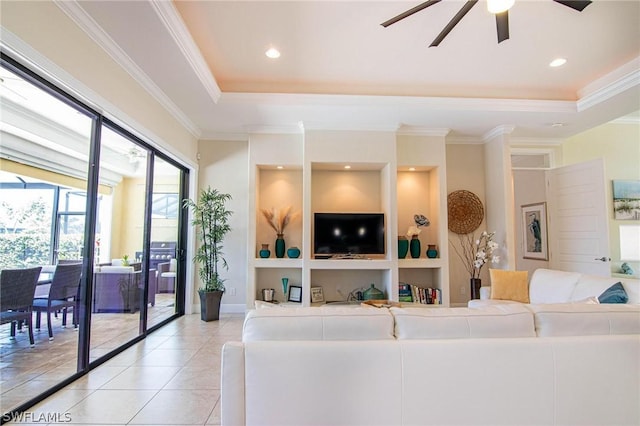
pixel 164 250
pixel 44 164
pixel 78 189
pixel 118 279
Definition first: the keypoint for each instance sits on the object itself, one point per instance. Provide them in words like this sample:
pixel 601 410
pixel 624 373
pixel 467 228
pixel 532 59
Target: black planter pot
pixel 210 305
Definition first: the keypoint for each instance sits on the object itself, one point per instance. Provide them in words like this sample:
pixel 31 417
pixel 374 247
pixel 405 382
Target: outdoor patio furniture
pixel 63 294
pixel 16 297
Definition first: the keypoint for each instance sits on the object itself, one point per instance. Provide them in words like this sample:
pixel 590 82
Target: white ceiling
pixel 340 69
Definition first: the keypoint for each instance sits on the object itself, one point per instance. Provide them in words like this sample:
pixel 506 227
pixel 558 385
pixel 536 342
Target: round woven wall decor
pixel 465 211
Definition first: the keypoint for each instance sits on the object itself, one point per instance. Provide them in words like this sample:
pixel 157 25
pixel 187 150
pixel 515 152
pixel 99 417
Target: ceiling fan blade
pixel 502 26
pixel 453 22
pixel 409 12
pixel 578 5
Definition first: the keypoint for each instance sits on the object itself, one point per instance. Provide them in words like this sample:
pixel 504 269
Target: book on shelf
pixel 404 293
pixel 416 294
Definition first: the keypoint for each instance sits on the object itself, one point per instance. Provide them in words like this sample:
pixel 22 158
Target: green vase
pixel 280 246
pixel 432 251
pixel 414 247
pixel 403 247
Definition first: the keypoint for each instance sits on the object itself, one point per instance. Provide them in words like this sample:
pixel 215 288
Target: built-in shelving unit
pixel 395 174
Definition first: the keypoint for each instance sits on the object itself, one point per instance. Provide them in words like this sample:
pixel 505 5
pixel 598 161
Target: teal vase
pixel 414 247
pixel 279 246
pixel 265 252
pixel 403 247
pixel 293 252
pixel 432 251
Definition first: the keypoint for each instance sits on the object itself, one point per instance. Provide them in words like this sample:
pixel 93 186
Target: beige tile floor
pixel 170 378
pixel 27 371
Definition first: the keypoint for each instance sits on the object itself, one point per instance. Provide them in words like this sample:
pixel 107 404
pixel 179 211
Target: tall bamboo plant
pixel 211 217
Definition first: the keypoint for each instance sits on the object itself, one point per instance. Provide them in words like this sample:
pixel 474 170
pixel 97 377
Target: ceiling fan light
pixel 499 6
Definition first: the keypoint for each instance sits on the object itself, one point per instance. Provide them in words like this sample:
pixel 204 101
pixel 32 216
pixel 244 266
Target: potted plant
pixel 211 217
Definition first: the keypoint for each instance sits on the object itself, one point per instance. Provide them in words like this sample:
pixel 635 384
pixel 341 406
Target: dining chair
pixel 167 276
pixel 63 294
pixel 16 297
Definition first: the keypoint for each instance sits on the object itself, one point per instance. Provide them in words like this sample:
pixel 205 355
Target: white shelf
pixel 277 263
pixel 396 174
pixel 420 263
pixel 365 264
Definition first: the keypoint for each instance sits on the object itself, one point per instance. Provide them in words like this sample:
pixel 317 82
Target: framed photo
pixel 626 199
pixel 295 293
pixel 317 295
pixel 534 231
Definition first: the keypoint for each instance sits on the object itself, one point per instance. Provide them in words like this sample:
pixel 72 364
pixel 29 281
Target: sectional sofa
pixel 509 364
pixel 548 286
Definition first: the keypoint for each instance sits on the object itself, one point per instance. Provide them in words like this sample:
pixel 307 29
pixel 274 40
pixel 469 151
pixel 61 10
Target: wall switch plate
pixel 232 291
pixel 463 290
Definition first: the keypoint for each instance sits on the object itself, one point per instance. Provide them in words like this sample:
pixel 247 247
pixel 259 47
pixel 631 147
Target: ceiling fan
pixel 500 8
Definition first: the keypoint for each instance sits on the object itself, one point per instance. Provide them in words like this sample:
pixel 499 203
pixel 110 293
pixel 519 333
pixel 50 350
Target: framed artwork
pixel 317 295
pixel 534 231
pixel 626 199
pixel 295 293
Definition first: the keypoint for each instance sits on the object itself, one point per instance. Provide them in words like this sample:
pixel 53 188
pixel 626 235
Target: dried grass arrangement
pixel 278 219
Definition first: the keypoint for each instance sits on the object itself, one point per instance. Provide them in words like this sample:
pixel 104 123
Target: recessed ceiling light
pixel 558 124
pixel 279 167
pixel 412 169
pixel 347 167
pixel 558 62
pixel 272 53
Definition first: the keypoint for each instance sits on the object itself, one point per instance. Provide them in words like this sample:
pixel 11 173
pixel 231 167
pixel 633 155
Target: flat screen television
pixel 348 233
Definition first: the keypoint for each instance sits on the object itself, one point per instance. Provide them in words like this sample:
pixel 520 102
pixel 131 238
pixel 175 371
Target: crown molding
pixel 524 141
pixel 503 130
pixel 368 127
pixel 173 22
pixel 627 119
pixel 293 129
pixel 87 24
pixel 464 140
pixel 624 78
pixel 225 136
pixel 405 130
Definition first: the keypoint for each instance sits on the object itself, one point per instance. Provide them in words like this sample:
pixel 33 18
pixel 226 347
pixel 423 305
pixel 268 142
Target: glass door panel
pixel 118 280
pixel 44 152
pixel 164 240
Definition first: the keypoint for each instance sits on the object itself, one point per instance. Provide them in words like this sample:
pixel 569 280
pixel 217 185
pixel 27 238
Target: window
pixel 165 206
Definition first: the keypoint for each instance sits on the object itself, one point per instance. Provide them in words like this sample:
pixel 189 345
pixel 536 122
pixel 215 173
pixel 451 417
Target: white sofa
pixel 496 365
pixel 552 286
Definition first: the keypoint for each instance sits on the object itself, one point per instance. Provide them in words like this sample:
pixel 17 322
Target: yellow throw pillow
pixel 509 285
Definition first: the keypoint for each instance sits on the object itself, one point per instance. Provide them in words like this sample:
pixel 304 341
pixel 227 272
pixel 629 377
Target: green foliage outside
pixel 25 236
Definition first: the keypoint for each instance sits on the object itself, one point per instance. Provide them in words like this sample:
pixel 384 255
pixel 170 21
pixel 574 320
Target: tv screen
pixel 348 233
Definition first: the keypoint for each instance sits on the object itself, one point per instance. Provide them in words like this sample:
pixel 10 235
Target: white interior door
pixel 578 226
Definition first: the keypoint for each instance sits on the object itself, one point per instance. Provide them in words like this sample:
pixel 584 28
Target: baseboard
pixel 225 308
pixel 232 308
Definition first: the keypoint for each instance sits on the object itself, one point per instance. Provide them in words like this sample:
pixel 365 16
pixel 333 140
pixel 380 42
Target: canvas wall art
pixel 626 199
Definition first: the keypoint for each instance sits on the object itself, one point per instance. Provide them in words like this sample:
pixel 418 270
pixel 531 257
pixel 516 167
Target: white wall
pixel 529 188
pixel 224 166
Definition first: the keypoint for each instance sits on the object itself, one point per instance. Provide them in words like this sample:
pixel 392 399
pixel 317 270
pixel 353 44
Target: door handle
pixel 603 259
